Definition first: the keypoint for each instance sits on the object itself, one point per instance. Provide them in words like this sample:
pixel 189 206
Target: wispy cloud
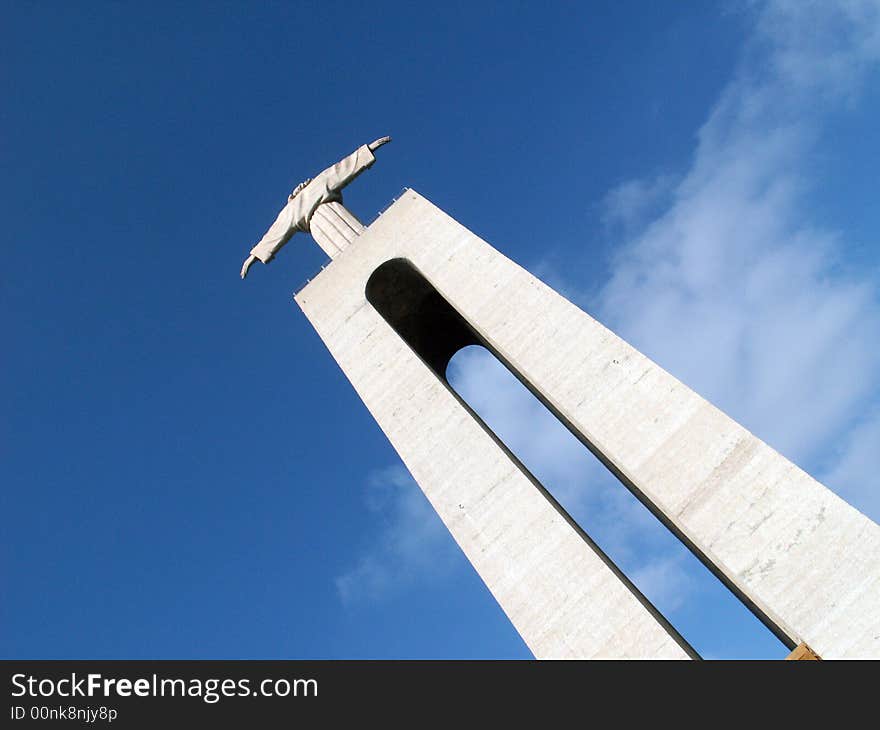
pixel 853 473
pixel 724 276
pixel 410 542
pixel 631 204
pixel 736 288
pixel 665 579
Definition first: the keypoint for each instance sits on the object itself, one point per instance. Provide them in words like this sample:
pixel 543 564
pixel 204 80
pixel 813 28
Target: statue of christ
pixel 307 197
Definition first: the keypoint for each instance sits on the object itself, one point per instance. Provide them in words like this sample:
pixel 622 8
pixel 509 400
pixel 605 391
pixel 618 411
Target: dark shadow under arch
pixel 419 314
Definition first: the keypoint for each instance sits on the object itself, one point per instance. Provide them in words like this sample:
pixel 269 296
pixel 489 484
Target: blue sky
pixel 702 178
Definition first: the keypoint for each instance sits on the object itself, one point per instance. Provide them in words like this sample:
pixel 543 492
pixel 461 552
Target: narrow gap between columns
pixel 713 620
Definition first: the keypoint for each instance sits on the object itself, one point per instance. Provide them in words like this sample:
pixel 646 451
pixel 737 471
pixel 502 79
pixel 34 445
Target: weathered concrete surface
pixel 560 595
pixel 808 561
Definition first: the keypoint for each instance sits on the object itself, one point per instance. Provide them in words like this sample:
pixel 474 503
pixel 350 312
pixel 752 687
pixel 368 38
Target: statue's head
pixel 298 189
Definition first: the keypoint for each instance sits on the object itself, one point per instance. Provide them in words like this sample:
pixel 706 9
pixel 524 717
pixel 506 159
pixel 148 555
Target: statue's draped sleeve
pixel 325 188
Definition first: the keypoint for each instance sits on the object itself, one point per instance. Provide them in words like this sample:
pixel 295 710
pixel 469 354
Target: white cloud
pixel 411 541
pixel 854 473
pixel 665 580
pixel 735 288
pixel 629 205
pixel 820 48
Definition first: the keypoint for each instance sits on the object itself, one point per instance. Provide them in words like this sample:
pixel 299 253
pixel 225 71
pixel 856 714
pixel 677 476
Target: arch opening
pixel 444 340
pixel 419 314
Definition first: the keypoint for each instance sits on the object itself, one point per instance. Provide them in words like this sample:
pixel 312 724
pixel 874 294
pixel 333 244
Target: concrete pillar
pixel 417 286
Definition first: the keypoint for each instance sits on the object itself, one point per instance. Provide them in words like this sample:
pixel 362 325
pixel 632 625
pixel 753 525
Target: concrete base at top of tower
pixel 807 562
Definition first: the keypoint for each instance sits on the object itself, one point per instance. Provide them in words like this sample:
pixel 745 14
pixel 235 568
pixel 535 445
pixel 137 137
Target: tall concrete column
pixel 415 287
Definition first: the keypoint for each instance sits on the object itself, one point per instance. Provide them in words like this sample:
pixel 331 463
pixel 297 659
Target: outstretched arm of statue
pixel 378 143
pixel 347 169
pixel 248 262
